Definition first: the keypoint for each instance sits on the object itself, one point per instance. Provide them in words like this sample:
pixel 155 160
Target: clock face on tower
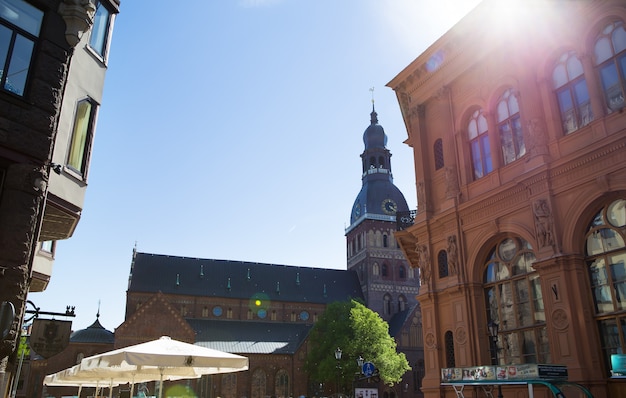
pixel 389 206
pixel 357 210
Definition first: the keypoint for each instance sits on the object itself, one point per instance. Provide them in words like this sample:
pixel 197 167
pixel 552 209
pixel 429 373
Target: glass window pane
pixel 492 304
pixel 506 139
pixel 600 287
pixel 619 39
pixel 5 41
pixel 603 50
pixel 482 123
pixel 19 65
pixel 476 160
pixel 518 135
pixel 513 105
pixel 99 31
pixel 22 14
pixel 484 140
pixel 472 129
pixel 507 310
pixel 537 299
pixel 511 348
pixel 503 111
pixel 79 137
pixel 529 347
pixel 559 77
pixel 616 213
pixel 618 274
pixel 612 89
pixel 574 67
pixel 522 295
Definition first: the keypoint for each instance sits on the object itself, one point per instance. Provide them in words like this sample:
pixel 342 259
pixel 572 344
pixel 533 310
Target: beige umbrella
pixel 162 359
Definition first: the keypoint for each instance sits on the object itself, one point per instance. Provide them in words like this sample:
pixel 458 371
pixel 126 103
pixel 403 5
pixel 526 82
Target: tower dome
pixel 379 198
pixel 95 333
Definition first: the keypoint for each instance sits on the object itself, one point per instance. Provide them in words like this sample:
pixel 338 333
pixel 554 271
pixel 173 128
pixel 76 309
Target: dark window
pixel 438 153
pixel 442 261
pixel 385 241
pixel 402 272
pixel 384 270
pixel 449 341
pixel 571 93
pixel 610 54
pixel 19 28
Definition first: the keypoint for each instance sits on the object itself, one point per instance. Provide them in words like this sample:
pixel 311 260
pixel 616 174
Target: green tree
pixel 357 331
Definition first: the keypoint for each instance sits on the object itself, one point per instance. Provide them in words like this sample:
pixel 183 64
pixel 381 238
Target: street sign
pixel 368 369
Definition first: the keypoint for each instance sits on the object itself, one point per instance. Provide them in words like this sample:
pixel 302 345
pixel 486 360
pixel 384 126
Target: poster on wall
pixel 366 392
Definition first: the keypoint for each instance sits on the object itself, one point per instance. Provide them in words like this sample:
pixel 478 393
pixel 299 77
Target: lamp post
pixel 493 333
pixel 338 358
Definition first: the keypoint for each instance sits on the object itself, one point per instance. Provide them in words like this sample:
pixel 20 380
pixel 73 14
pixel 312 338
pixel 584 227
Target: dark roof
pixel 398 320
pixel 250 337
pixel 95 333
pixel 152 273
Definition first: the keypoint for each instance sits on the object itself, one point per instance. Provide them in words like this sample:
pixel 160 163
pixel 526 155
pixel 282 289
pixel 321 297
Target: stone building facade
pixel 516 119
pixel 52 66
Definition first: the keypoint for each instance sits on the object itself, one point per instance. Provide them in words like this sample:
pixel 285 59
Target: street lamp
pixel 493 333
pixel 338 358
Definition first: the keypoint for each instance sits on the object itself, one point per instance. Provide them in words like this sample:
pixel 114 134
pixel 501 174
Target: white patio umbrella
pixel 162 359
pixel 73 377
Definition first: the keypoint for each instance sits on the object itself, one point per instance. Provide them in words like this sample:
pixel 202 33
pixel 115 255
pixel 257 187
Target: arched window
pixel 384 271
pixel 510 127
pixel 385 241
pixel 229 385
pixel 402 272
pixel 387 304
pixel 438 154
pixel 259 383
pixel 282 384
pixel 571 92
pixel 605 255
pixel 372 162
pixel 442 261
pixel 375 269
pixel 513 300
pixel 381 162
pixel 478 135
pixel 401 303
pixel 449 342
pixel 610 54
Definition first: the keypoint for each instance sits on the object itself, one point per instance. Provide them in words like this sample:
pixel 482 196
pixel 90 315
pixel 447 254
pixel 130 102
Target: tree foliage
pixel 357 331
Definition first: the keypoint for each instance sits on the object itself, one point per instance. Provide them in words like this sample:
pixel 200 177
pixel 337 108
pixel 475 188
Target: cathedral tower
pixel 388 283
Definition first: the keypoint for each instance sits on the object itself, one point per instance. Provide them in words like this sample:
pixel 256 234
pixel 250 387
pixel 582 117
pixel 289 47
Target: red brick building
pixel 516 119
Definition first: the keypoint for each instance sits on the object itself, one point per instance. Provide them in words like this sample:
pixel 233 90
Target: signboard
pixel 528 371
pixel 366 392
pixel 49 337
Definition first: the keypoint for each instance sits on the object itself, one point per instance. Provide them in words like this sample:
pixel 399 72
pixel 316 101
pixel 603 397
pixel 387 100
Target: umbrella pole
pixel 161 386
pixel 132 386
pixel 80 388
pixel 111 389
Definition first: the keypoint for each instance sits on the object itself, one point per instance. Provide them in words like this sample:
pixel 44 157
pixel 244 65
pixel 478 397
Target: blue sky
pixel 232 129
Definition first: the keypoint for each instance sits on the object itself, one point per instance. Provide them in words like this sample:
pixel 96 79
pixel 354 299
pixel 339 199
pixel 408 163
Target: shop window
pixel 514 300
pixel 478 135
pixel 510 127
pixel 571 92
pixel 20 23
pixel 610 57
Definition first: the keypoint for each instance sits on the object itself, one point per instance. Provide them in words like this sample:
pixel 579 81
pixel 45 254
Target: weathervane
pixel 372 90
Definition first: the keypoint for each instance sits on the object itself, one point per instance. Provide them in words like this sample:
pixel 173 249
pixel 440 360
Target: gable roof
pixel 250 337
pixel 241 280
